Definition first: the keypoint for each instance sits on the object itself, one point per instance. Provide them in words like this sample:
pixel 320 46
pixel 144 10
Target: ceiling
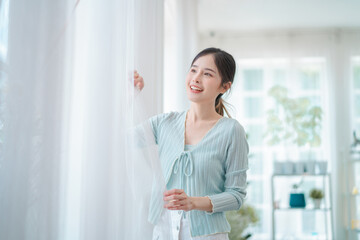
pixel 250 15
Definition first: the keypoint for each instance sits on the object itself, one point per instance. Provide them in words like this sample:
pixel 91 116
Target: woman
pixel 203 154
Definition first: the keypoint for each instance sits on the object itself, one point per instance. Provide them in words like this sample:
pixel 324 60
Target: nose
pixel 196 78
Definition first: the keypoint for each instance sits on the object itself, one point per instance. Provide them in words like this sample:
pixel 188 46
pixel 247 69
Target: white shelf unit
pixel 327 209
pixel 352 199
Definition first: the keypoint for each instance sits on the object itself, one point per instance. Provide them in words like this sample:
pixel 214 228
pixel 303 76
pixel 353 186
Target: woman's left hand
pixel 177 199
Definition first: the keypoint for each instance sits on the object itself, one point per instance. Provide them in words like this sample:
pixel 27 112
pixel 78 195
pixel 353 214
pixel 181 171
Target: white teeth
pixel 195 88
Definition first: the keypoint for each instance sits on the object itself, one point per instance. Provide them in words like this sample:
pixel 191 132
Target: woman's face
pixel 203 81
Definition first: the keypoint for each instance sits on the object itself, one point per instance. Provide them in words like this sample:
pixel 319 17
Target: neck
pixel 202 112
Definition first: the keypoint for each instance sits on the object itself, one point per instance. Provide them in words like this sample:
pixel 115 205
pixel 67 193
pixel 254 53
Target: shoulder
pixel 166 116
pixel 161 118
pixel 234 127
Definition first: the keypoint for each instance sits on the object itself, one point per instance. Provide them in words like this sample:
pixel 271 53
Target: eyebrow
pixel 205 68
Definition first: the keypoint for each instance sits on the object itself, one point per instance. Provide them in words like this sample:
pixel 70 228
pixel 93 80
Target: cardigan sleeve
pixel 146 133
pixel 236 165
pixel 156 123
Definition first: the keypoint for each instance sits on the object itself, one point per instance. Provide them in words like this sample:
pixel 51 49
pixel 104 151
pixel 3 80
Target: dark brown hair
pixel 226 65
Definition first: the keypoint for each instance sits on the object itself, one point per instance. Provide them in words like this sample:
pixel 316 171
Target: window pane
pixel 279 77
pixel 255 192
pixel 315 101
pixel 357 77
pixel 253 107
pixel 255 135
pixel 255 164
pixel 357 105
pixel 253 79
pixel 310 79
pixel 357 129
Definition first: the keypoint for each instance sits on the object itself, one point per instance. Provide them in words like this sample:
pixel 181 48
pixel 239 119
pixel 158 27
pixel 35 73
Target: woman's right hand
pixel 138 81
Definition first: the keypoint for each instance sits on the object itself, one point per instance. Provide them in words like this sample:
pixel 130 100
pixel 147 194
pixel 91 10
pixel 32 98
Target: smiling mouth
pixel 196 89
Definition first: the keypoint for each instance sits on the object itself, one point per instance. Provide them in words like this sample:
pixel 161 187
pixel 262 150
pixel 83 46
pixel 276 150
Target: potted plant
pixel 240 220
pixel 316 195
pixel 293 121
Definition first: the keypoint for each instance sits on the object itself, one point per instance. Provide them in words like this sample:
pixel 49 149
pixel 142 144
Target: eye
pixel 208 74
pixel 193 70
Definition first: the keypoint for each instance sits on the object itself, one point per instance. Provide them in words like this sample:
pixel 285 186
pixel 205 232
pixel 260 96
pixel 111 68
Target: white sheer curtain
pixel 180 47
pixel 70 167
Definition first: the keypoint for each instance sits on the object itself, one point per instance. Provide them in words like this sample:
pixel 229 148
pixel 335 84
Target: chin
pixel 195 99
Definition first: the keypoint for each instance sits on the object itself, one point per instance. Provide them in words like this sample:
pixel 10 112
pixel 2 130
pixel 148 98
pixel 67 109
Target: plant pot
pixel 288 168
pixel 300 167
pixel 317 203
pixel 297 200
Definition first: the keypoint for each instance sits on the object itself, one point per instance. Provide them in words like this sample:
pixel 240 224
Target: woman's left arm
pixel 236 165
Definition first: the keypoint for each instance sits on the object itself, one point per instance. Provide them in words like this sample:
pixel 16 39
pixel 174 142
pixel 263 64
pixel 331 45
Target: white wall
pixel 244 15
pixel 180 47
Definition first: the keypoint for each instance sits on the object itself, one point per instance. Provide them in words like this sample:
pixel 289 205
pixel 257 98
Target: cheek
pixel 187 79
pixel 214 85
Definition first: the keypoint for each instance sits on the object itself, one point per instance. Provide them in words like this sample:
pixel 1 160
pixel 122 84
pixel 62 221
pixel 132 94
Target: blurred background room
pixel 296 92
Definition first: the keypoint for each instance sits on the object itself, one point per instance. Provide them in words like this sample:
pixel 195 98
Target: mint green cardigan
pixel 215 167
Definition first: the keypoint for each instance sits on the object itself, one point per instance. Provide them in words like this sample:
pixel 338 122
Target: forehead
pixel 206 61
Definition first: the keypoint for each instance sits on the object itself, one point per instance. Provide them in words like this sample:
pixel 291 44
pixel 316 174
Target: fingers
pixel 178 205
pixel 138 80
pixel 173 191
pixel 139 83
pixel 175 197
pixel 175 204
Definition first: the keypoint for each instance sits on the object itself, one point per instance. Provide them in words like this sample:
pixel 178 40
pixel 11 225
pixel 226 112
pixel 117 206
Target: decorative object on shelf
pixel 322 167
pixel 316 195
pixel 297 198
pixel 288 167
pixel 240 220
pixel 276 204
pixel 299 167
pixel 278 167
pixel 310 167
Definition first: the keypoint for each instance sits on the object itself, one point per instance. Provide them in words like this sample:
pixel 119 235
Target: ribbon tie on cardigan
pixel 185 161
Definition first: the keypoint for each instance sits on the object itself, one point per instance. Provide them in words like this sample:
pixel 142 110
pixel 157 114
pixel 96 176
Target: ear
pixel 225 87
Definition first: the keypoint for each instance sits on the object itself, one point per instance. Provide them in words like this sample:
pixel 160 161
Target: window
pixel 306 78
pixel 356 94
